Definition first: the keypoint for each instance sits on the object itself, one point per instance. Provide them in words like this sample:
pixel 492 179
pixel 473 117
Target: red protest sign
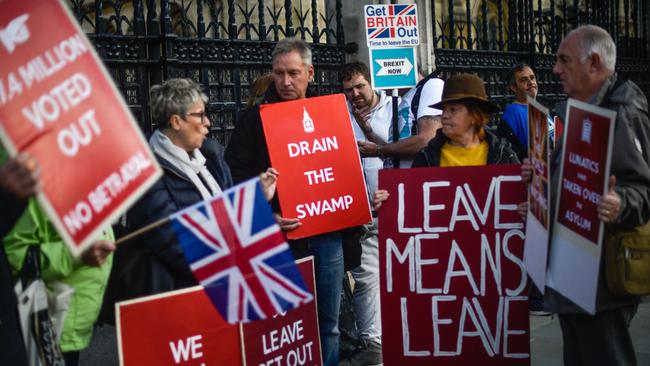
pixel 289 339
pixel 453 285
pixel 312 145
pixel 537 220
pixel 576 240
pixel 585 169
pixel 179 327
pixel 183 327
pixel 58 103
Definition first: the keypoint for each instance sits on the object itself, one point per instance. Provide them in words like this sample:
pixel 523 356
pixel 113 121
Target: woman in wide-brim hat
pixel 463 139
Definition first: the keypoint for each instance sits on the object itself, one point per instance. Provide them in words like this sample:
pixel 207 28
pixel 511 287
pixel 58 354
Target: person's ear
pixel 175 122
pixel 310 70
pixel 595 62
pixel 513 88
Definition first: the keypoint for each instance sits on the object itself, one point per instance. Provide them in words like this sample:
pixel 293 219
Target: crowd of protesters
pixel 442 123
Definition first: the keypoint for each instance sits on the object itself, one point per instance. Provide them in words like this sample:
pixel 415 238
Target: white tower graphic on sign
pixel 307 122
pixel 585 136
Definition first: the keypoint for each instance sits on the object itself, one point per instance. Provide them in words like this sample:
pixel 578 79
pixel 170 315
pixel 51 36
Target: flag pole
pixel 142 230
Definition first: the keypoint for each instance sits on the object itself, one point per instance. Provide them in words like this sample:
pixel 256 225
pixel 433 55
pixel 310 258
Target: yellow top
pixel 452 155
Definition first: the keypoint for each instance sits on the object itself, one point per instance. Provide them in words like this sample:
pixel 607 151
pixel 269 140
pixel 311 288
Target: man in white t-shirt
pixel 414 136
pixel 371 113
pixel 411 139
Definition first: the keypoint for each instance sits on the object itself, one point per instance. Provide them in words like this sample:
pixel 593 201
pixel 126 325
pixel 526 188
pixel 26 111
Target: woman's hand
pixel 380 196
pixel 522 210
pixel 287 224
pixel 269 180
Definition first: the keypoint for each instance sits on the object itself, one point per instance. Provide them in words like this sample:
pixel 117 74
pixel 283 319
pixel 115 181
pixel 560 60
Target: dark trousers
pixel 601 339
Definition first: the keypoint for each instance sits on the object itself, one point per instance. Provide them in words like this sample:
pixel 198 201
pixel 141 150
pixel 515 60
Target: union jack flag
pixel 393 11
pixel 238 253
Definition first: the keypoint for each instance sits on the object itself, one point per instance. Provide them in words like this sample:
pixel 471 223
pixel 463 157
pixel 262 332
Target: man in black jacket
pixel 585 64
pixel 17 184
pixel 247 155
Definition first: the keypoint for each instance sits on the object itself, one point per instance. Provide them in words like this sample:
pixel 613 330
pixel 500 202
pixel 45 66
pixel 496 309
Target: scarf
pixel 192 164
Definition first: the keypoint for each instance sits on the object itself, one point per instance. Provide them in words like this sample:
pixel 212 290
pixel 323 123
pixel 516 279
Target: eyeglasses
pixel 201 115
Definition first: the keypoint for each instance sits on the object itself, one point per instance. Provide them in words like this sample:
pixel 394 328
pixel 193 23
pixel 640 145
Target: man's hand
pixel 269 181
pixel 96 255
pixel 363 117
pixel 609 207
pixel 287 224
pixel 19 176
pixel 368 149
pixel 526 171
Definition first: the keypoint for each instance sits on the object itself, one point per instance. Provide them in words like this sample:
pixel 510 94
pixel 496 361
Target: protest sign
pixel 288 339
pixel 58 103
pixel 179 327
pixel 576 241
pixel 453 283
pixel 184 327
pixel 537 220
pixel 392 25
pixel 393 67
pixel 312 145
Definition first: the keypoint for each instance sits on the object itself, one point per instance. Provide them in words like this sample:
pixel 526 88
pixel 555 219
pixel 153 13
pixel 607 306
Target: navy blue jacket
pixel 174 191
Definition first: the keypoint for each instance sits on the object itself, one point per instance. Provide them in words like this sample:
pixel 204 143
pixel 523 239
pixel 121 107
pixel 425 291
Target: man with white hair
pixel 585 63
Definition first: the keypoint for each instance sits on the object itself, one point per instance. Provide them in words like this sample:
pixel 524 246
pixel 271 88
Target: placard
pixel 58 103
pixel 391 25
pixel 175 328
pixel 289 339
pixel 393 68
pixel 312 145
pixel 539 198
pixel 576 241
pixel 183 327
pixel 453 283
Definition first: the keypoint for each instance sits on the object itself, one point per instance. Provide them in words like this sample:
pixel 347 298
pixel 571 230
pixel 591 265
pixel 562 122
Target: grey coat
pixel 631 166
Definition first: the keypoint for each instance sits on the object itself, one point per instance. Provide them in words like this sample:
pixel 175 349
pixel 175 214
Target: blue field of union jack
pixel 238 253
pixel 389 32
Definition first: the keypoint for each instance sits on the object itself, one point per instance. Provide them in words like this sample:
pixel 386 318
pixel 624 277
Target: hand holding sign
pixel 381 195
pixel 526 171
pixel 610 205
pixel 19 176
pixel 287 224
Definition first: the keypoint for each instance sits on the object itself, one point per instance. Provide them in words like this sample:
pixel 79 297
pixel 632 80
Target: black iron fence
pixel 225 45
pixel 489 37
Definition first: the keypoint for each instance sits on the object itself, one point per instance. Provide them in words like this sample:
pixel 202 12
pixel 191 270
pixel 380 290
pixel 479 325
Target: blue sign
pixel 392 68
